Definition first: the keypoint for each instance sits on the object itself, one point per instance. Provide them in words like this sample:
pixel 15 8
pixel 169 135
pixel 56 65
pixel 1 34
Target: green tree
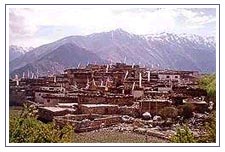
pixel 186 110
pixel 25 128
pixel 183 135
pixel 208 83
pixel 210 129
pixel 168 112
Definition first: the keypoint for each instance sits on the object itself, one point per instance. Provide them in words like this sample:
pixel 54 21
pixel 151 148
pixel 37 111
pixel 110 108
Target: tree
pixel 210 129
pixel 183 135
pixel 208 83
pixel 25 128
pixel 186 110
pixel 168 112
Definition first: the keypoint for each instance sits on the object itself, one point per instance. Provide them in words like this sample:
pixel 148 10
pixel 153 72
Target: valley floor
pixel 107 136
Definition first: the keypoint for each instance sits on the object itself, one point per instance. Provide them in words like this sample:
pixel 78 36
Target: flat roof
pixel 99 105
pixel 194 101
pixel 56 109
pixel 67 104
pixel 155 100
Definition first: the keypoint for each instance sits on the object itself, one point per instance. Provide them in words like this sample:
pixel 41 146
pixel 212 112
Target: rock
pixel 86 120
pixel 140 130
pixel 195 134
pixel 157 123
pixel 156 128
pixel 171 132
pixel 168 123
pixel 146 116
pixel 127 119
pixel 121 129
pixel 138 123
pixel 124 128
pixel 169 120
pixel 201 116
pixel 211 104
pixel 155 133
pixel 129 128
pixel 157 118
pixel 145 126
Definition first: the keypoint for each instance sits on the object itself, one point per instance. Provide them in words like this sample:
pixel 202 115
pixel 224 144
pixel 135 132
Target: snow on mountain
pixel 167 50
pixel 17 51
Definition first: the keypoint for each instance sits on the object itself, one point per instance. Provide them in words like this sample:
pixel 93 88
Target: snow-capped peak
pixel 20 49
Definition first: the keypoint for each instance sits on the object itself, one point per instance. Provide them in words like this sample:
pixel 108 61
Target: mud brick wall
pixel 152 107
pixel 104 110
pixel 47 115
pixel 50 102
pixel 121 101
pixel 80 117
pixel 201 108
pixel 91 99
pixel 99 123
pixel 118 100
pixel 190 92
pixel 88 125
pixel 130 111
pixel 77 121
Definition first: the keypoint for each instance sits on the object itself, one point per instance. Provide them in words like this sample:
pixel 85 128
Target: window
pixel 48 100
pixel 167 76
pixel 176 76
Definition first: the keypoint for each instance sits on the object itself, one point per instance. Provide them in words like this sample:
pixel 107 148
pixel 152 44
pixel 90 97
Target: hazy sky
pixel 37 26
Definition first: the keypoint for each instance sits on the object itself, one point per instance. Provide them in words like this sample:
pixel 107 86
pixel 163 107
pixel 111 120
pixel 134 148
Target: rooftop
pixel 98 105
pixel 57 109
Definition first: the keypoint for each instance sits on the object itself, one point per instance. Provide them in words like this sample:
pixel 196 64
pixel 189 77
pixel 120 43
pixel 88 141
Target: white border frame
pixel 116 2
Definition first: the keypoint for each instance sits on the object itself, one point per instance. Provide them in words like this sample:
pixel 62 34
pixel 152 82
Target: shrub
pixel 210 129
pixel 168 112
pixel 25 128
pixel 186 110
pixel 183 135
pixel 208 83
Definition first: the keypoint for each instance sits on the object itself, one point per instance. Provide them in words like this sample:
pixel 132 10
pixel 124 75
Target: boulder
pixel 127 119
pixel 146 116
pixel 157 118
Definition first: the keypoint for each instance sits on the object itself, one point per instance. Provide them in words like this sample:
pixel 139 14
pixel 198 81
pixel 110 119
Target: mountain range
pixel 163 50
pixel 17 51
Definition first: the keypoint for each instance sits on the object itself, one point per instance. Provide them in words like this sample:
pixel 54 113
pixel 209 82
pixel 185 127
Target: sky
pixel 35 26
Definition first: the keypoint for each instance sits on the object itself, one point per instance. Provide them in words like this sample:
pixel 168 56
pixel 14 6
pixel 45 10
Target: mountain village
pixel 126 98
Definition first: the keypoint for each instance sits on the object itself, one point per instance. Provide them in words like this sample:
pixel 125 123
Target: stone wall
pixel 91 99
pixel 104 110
pixel 120 100
pixel 137 93
pixel 130 111
pixel 104 99
pixel 46 115
pixel 152 107
pixel 86 124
